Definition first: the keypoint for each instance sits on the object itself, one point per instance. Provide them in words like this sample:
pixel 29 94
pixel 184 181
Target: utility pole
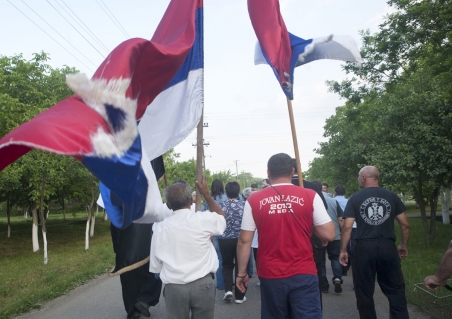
pixel 236 169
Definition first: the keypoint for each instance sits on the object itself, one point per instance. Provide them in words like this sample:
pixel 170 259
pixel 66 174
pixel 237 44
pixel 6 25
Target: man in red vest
pixel 285 216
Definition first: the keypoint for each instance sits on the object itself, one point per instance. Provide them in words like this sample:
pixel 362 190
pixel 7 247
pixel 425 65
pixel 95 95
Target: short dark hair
pixel 232 189
pixel 266 180
pixel 339 190
pixel 280 165
pixel 178 195
pixel 325 184
pixel 317 184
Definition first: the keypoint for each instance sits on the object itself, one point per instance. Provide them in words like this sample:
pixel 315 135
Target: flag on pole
pixel 176 111
pixel 284 51
pixel 98 125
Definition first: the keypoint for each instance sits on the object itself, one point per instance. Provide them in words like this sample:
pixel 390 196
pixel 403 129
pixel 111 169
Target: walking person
pixel 218 195
pixel 233 212
pixel 374 210
pixel 183 254
pixel 284 215
pixel 333 248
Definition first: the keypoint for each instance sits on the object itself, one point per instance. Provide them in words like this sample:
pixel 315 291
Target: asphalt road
pixel 101 298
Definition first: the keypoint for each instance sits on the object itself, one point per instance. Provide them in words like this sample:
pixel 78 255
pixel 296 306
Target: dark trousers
pixel 228 249
pixel 139 285
pixel 378 257
pixel 294 297
pixel 350 250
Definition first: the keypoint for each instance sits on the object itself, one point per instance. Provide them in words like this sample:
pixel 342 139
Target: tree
pixel 27 88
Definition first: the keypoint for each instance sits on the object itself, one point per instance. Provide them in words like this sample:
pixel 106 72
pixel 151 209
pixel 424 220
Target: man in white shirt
pixel 183 254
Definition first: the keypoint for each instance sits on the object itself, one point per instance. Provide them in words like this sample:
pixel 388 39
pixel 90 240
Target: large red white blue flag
pixel 98 125
pixel 284 51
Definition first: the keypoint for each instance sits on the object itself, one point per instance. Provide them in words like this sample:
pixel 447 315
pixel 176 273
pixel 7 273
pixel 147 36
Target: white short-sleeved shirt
pixel 181 249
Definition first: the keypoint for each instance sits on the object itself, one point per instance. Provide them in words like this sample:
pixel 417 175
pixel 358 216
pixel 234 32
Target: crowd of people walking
pixel 288 231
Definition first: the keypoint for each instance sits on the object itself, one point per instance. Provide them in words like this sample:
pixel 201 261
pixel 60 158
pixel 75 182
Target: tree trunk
pixel 87 232
pixel 43 221
pixel 445 205
pixel 433 201
pixel 34 232
pixel 93 223
pixel 420 201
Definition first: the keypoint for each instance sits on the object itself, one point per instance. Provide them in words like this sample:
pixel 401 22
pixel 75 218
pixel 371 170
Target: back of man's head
pixel 317 184
pixel 178 195
pixel 339 190
pixel 280 165
pixel 254 187
pixel 246 193
pixel 232 189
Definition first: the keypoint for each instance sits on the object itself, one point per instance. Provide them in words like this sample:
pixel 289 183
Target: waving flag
pixel 284 51
pixel 176 111
pixel 98 125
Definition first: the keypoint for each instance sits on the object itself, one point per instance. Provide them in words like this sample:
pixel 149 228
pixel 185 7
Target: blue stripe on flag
pixel 125 176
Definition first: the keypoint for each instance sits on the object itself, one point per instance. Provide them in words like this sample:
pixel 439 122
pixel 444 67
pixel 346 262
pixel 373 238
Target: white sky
pixel 244 106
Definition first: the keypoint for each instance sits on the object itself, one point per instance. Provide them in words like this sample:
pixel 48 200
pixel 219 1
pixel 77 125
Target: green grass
pixel 423 259
pixel 26 283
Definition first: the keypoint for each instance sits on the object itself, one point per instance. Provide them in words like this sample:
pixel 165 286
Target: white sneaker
pixel 241 301
pixel 258 284
pixel 228 296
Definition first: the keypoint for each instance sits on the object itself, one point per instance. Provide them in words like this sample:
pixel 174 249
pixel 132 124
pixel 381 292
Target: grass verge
pixel 26 283
pixel 423 259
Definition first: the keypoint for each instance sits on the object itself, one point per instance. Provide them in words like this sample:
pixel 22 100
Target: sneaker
pixel 337 286
pixel 241 301
pixel 228 296
pixel 325 291
pixel 258 284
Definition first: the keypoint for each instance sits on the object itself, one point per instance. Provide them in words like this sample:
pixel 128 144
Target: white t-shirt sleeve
pixel 155 265
pixel 320 215
pixel 218 222
pixel 248 220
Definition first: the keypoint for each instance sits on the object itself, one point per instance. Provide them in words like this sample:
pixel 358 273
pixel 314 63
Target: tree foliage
pixel 398 108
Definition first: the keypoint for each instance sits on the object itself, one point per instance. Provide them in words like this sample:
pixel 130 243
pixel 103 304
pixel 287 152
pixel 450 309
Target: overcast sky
pixel 245 108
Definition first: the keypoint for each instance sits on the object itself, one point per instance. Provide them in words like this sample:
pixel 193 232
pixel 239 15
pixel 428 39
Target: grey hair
pixel 178 195
pixel 247 192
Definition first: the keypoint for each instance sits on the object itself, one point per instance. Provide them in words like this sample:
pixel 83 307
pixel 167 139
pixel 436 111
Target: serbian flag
pixel 98 125
pixel 284 51
pixel 176 111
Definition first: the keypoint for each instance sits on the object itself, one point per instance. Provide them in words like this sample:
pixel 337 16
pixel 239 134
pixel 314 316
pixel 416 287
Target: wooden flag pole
pixel 295 143
pixel 199 158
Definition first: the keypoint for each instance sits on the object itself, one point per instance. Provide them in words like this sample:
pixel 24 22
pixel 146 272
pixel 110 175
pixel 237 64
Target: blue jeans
pixel 219 273
pixel 332 249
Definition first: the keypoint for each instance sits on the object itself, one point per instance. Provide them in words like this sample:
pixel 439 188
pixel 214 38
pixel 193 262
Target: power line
pixel 59 33
pixel 75 28
pixel 84 26
pixel 50 36
pixel 115 21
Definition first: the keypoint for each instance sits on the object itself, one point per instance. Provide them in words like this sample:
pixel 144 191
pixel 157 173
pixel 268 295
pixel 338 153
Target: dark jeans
pixel 228 249
pixel 332 249
pixel 293 297
pixel 378 257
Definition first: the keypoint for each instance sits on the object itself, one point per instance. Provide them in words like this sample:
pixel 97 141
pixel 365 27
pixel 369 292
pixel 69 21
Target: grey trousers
pixel 197 296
